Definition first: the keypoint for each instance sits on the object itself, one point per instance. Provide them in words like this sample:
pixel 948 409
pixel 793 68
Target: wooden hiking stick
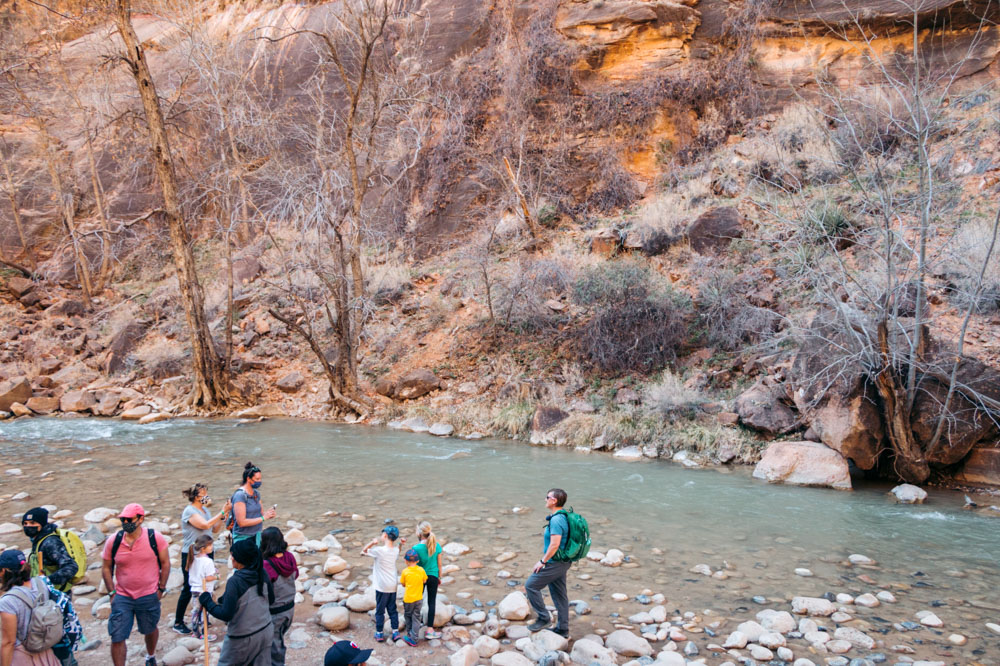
pixel 204 631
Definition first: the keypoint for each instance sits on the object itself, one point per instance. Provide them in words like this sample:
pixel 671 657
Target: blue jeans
pixel 386 602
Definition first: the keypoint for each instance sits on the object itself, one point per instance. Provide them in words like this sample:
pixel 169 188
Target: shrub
pixel 971 247
pixel 521 294
pixel 669 396
pixel 726 315
pixel 635 324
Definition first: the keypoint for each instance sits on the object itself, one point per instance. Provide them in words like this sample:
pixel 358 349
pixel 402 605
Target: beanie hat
pixel 38 514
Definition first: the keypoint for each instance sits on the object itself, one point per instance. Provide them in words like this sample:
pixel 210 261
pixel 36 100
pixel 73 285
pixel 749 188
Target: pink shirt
pixel 137 571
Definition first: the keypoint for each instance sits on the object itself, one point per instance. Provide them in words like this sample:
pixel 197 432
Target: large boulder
pixel 760 407
pixel 14 390
pixel 334 618
pixel 627 644
pixel 588 652
pixel 510 659
pixel 122 344
pixel 514 607
pixel 850 422
pixel 803 464
pixel 967 423
pixel 714 229
pixel 77 401
pixel 416 383
pixel 547 417
pixel 291 382
pixel 981 466
pixel 19 286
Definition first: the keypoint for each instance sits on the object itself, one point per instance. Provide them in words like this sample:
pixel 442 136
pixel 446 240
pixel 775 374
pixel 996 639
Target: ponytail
pixel 424 533
pixel 192 492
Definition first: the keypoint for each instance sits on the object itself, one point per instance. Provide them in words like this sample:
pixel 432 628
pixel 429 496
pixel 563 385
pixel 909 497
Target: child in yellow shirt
pixel 413 579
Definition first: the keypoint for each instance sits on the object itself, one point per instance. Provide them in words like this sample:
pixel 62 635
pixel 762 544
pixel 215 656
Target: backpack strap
pixel 19 593
pixel 154 547
pixel 114 548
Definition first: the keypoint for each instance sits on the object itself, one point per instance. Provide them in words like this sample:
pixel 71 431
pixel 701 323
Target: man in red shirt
pixel 136 568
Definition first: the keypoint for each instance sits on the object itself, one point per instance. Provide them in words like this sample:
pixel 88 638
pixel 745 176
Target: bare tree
pixel 63 195
pixel 11 187
pixel 210 388
pixel 885 128
pixel 361 125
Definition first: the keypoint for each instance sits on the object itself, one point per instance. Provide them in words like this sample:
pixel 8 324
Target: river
pixel 665 518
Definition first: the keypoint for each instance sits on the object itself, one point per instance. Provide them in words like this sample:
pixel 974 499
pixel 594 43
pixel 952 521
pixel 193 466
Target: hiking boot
pixel 182 629
pixel 379 637
pixel 538 625
pixel 412 642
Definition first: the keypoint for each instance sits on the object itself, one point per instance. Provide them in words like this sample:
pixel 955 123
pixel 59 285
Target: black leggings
pixel 185 598
pixel 432 595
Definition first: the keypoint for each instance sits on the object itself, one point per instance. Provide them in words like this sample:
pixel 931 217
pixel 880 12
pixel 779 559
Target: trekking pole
pixel 204 630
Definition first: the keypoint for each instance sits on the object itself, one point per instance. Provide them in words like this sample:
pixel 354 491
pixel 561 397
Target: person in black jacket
pixel 56 562
pixel 246 607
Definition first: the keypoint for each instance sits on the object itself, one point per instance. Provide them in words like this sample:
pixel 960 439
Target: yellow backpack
pixel 73 545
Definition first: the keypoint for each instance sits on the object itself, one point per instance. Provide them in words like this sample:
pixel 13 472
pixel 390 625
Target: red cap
pixel 131 511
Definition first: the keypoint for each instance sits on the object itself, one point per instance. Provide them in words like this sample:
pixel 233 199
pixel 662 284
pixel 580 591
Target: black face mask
pixel 31 531
pixel 130 526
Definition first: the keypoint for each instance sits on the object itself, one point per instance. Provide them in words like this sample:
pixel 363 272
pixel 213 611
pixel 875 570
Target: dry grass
pixel 669 396
pixel 971 246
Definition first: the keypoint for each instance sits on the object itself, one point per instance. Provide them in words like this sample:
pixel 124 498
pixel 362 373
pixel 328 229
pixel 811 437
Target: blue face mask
pixel 255 485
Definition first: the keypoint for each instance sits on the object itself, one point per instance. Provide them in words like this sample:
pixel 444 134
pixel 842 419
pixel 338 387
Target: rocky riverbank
pixel 853 611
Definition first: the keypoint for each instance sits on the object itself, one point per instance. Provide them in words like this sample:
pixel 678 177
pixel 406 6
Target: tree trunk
pixel 95 183
pixel 67 210
pixel 910 463
pixel 29 252
pixel 209 387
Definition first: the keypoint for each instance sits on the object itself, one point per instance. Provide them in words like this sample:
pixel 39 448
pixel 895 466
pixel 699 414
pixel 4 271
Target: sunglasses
pixel 128 520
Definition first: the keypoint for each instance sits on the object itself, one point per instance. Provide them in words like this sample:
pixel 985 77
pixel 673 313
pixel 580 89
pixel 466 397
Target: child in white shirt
pixel 202 575
pixel 384 578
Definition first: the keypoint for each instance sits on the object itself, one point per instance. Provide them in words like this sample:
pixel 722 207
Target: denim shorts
pixel 144 611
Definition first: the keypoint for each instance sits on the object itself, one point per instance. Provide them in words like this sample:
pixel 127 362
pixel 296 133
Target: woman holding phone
pixel 195 521
pixel 248 514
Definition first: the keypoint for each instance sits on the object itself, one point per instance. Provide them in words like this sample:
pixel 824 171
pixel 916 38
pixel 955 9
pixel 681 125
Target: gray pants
pixel 253 650
pixel 281 622
pixel 553 575
pixel 411 618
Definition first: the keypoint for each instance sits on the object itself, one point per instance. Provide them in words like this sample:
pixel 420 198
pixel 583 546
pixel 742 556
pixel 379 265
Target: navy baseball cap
pixel 412 556
pixel 392 531
pixel 344 653
pixel 12 559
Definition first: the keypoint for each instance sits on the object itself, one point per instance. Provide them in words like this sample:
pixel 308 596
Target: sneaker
pixel 212 638
pixel 562 632
pixel 538 625
pixel 182 629
pixel 150 661
pixel 430 634
pixel 379 637
pixel 412 642
pixel 395 635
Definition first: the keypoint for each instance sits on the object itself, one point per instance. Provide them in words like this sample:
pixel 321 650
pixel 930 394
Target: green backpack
pixel 577 543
